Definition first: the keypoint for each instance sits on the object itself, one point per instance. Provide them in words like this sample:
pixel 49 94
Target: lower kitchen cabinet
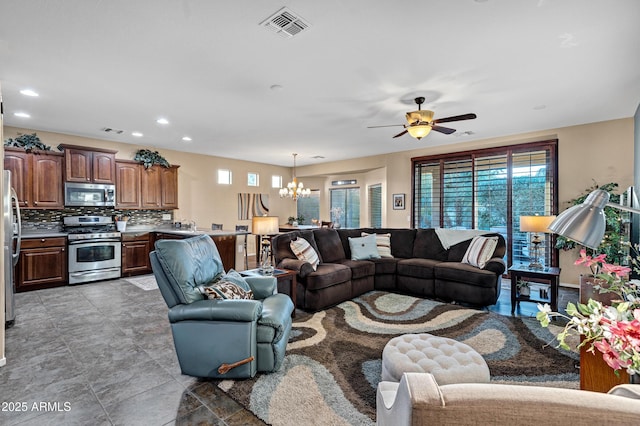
pixel 42 264
pixel 135 254
pixel 226 245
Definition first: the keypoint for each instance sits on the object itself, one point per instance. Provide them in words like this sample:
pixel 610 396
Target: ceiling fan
pixel 421 122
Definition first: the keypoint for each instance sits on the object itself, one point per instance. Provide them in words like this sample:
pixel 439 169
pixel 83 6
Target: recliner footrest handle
pixel 225 368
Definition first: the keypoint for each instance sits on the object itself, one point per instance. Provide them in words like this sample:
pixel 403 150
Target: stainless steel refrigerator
pixel 12 240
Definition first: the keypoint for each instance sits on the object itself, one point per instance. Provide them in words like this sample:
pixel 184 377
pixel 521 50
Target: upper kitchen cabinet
pixel 128 193
pixel 89 165
pixel 36 178
pixel 159 187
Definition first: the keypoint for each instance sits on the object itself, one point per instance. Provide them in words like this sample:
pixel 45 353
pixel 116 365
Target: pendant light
pixel 294 189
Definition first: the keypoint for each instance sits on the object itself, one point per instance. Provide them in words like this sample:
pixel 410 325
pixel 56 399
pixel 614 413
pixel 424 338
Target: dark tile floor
pixel 102 354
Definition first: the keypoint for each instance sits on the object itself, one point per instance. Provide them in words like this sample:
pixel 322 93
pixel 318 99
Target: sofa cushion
pixel 385 265
pixel 457 251
pixel 303 251
pixel 480 251
pixel 329 245
pixel 402 242
pixel 383 242
pixel 363 248
pixel 417 268
pixel 280 244
pixel 327 275
pixel 464 273
pixel 360 268
pixel 427 245
pixel 189 264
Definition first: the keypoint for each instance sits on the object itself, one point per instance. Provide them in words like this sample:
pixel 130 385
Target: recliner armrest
pixel 262 287
pixel 276 313
pixel 302 267
pixel 239 310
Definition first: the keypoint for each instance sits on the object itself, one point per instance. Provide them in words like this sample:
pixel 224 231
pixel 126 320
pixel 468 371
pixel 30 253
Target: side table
pixel 282 275
pixel 549 275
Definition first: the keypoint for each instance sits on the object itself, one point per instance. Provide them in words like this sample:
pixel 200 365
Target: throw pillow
pixel 303 251
pixel 383 242
pixel 480 251
pixel 227 290
pixel 363 248
pixel 234 276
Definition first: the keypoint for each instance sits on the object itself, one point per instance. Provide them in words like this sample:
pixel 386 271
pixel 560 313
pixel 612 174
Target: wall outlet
pixel 166 216
pixel 240 248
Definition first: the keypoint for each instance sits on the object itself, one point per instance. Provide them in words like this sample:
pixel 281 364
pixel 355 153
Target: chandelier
pixel 294 188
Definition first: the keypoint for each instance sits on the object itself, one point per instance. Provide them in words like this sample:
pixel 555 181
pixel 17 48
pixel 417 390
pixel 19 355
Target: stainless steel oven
pixel 94 249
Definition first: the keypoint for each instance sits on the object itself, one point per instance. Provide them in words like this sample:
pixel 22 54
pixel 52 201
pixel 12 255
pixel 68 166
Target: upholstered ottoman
pixel 448 360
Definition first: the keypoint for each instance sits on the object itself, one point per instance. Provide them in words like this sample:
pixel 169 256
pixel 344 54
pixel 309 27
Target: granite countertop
pixel 41 233
pixel 179 231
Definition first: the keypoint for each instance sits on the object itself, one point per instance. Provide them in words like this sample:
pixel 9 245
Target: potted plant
pixel 148 158
pixel 28 142
pixel 523 288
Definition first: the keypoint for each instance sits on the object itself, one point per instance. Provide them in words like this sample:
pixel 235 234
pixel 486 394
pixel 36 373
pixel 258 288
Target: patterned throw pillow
pixel 383 242
pixel 227 290
pixel 480 251
pixel 303 251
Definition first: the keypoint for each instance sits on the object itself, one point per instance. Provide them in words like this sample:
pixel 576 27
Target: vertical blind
pixel 488 189
pixel 375 206
pixel 309 207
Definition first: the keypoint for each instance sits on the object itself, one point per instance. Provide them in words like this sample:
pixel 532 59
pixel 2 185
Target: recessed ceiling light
pixel 137 134
pixel 162 121
pixel 186 139
pixel 275 87
pixel 22 114
pixel 29 92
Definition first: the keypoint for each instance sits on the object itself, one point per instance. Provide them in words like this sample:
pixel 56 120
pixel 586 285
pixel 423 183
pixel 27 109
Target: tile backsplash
pixel 51 220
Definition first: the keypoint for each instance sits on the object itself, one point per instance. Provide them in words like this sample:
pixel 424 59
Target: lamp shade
pixel 584 223
pixel 419 131
pixel 265 225
pixel 535 223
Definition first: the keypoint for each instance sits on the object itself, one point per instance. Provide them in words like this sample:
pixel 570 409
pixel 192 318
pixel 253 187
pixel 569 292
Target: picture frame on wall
pixel 398 201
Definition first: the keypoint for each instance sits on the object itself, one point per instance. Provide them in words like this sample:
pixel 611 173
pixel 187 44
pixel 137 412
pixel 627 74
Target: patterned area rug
pixel 145 282
pixel 333 361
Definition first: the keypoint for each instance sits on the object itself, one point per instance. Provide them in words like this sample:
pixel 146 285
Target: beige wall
pixel 598 151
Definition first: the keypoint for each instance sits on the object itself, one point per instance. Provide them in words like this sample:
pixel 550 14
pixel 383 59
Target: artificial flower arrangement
pixel 613 330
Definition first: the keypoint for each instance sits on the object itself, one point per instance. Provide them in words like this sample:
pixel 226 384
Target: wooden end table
pixel 282 275
pixel 549 275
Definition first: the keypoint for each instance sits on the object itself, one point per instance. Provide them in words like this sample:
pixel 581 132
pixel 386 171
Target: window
pixel 276 181
pixel 224 177
pixel 489 189
pixel 375 206
pixel 253 179
pixel 345 207
pixel 309 207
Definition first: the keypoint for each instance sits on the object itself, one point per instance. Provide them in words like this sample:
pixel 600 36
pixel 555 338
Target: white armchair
pixel 419 400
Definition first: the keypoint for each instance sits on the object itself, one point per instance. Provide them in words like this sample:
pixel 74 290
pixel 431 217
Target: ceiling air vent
pixel 110 130
pixel 285 23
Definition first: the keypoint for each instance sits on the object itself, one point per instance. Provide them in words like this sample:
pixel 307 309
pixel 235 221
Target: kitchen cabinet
pixel 159 187
pixel 135 254
pixel 36 177
pixel 42 263
pixel 128 194
pixel 226 245
pixel 89 165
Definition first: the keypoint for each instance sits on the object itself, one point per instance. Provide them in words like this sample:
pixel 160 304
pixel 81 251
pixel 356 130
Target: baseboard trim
pixel 3 362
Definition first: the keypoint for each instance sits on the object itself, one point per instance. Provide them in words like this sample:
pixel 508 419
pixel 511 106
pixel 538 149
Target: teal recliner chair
pixel 219 338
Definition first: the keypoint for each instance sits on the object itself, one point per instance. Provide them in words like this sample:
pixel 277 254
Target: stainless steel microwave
pixel 89 195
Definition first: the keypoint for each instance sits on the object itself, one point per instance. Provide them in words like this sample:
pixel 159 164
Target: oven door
pixel 92 260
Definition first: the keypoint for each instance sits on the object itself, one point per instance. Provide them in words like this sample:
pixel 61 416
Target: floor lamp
pixel 264 226
pixel 536 225
pixel 585 223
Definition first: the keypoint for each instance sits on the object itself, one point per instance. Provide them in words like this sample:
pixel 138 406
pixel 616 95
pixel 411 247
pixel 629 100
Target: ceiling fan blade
pixel 401 133
pixel 455 118
pixel 441 129
pixel 388 125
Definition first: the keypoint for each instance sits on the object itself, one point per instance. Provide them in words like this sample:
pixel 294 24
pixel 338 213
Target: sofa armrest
pixel 239 310
pixel 396 402
pixel 496 265
pixel 628 391
pixel 262 287
pixel 303 268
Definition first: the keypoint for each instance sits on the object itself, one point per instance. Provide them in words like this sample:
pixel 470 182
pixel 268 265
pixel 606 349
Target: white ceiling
pixel 208 67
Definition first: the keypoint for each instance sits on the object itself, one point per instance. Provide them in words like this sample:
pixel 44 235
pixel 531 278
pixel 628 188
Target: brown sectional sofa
pixel 420 266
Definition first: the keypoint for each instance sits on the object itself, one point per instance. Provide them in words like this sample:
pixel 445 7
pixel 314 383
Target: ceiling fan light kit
pixel 421 122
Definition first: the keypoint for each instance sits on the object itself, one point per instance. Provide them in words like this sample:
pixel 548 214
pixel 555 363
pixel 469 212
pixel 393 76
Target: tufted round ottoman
pixel 449 361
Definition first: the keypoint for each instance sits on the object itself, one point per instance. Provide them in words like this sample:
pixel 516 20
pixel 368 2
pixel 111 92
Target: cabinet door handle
pixel 43 240
pixel 35 203
pixel 62 250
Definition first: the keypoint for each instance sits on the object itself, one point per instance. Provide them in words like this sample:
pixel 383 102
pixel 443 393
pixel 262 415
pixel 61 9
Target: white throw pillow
pixel 363 248
pixel 383 242
pixel 303 251
pixel 480 251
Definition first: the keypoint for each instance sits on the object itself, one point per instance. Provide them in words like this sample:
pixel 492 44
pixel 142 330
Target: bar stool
pixel 244 228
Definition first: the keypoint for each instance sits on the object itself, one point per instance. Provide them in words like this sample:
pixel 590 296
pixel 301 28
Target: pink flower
pixel 627 331
pixel 610 356
pixel 619 271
